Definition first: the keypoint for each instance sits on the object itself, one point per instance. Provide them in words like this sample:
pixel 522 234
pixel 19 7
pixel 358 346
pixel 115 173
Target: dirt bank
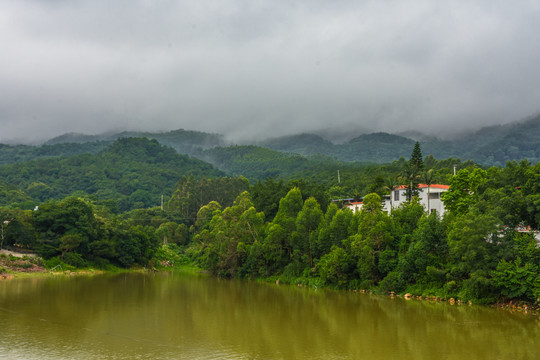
pixel 17 254
pixel 15 262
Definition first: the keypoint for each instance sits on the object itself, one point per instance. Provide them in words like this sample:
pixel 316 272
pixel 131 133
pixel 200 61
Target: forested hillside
pixel 12 154
pixel 291 231
pixel 131 173
pixel 183 141
pixel 134 172
pixel 497 144
pixel 473 253
pixel 490 146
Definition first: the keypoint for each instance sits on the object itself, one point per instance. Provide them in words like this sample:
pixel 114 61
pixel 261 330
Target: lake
pixel 172 316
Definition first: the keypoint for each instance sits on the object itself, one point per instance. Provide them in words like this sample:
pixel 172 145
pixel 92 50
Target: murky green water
pixel 165 316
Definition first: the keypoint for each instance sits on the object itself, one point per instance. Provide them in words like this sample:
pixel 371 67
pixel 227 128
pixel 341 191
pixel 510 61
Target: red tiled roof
pixel 433 186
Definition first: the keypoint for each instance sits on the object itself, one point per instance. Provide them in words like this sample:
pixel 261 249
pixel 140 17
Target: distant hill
pixel 255 162
pixel 183 141
pixel 12 154
pixel 376 147
pixel 70 144
pixel 77 138
pixel 493 145
pixel 131 172
pixel 303 144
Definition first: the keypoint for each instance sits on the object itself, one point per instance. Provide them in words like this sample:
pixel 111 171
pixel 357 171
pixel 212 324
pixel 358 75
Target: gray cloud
pixel 265 68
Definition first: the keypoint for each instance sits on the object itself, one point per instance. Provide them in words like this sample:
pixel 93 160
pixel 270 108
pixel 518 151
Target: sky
pixel 264 68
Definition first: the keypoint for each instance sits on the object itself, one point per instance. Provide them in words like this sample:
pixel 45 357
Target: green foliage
pixel 336 268
pixel 57 264
pixel 493 145
pixel 75 259
pixel 224 246
pixel 334 230
pixel 308 220
pixel 266 196
pixel 10 195
pixel 16 228
pixel 472 241
pixel 377 186
pixel 285 227
pixel 479 287
pixel 470 255
pixel 191 194
pixel 75 230
pixel 517 280
pixel 410 177
pixel 417 160
pixel 169 255
pixel 394 281
pixel 254 162
pixel 134 172
pixel 289 207
pixel 22 153
pixel 464 190
pixel 68 243
pixel 372 203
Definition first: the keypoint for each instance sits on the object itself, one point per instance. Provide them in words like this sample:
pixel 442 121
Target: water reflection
pixel 166 316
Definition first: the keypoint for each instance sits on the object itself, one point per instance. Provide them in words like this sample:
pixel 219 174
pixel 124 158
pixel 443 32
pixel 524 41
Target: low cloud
pixel 265 68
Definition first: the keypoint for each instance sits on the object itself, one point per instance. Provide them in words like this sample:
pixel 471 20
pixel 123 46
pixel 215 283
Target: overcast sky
pixel 265 67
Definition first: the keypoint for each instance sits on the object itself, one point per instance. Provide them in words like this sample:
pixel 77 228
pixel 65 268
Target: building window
pixel 396 195
pixel 434 196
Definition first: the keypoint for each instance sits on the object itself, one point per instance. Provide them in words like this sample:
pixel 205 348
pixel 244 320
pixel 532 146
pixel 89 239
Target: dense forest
pixel 272 216
pixel 130 173
pixel 473 253
pixel 488 146
pixel 133 173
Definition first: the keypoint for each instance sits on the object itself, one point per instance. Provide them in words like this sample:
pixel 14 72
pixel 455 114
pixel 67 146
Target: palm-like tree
pixel 410 176
pixel 357 195
pixel 427 177
pixel 390 184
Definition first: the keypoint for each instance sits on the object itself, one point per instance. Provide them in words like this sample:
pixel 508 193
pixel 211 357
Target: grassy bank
pixel 20 265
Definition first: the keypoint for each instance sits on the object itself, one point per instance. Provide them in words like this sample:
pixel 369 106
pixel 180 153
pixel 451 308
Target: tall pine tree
pixel 410 175
pixel 417 160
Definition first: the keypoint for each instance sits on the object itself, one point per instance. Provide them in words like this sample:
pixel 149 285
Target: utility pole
pixel 161 202
pixel 338 178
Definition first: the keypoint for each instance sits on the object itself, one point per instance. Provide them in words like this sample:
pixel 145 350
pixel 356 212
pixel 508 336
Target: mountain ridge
pixel 488 146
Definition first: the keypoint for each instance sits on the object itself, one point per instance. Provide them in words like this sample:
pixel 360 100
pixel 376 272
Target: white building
pixel 428 196
pixel 354 205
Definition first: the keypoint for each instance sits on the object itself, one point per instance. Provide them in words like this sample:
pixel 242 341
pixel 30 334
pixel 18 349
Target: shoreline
pixel 15 264
pixel 31 265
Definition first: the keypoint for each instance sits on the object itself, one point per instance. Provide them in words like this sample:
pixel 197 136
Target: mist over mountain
pixel 493 145
pixel 267 69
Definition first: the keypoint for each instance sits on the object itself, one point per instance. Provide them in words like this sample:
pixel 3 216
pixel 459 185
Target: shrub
pixel 57 264
pixel 393 282
pixel 25 265
pixel 478 288
pixel 75 259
